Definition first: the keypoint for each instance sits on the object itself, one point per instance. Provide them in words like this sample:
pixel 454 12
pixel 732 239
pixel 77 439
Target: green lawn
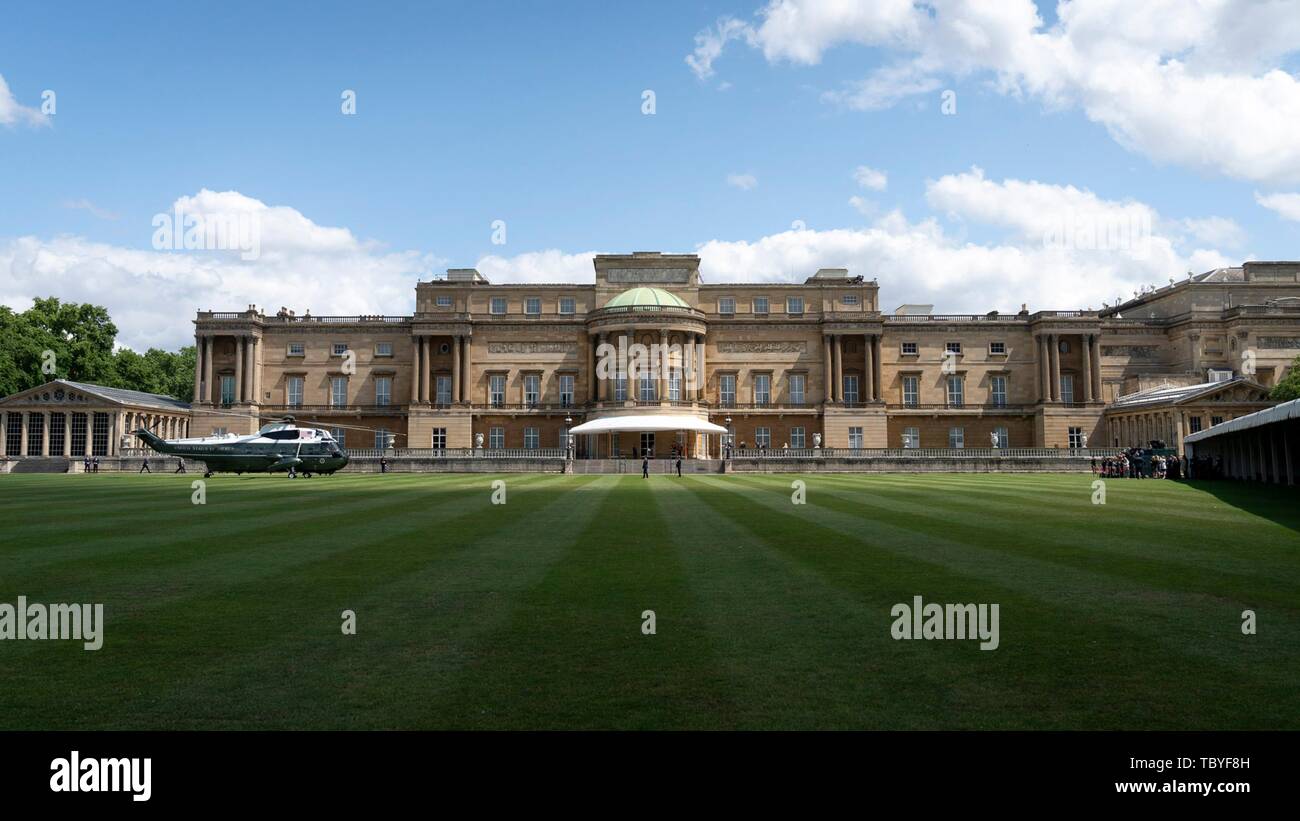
pixel 769 615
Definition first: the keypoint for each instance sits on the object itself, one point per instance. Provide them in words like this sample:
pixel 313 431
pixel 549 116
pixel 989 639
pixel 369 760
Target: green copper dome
pixel 646 298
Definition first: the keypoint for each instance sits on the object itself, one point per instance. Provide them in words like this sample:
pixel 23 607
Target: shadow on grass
pixel 1277 503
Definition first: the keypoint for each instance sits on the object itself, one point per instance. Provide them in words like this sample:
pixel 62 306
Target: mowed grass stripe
pixel 205 649
pixel 1110 635
pixel 1080 537
pixel 573 655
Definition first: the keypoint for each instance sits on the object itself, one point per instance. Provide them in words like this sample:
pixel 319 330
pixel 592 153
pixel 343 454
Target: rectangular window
pixel 227 390
pixel 293 392
pixel 568 305
pixel 532 306
pixel 383 349
pixel 998 388
pixel 497 390
pixel 1076 437
pixel 956 391
pixel 532 390
pixel 850 299
pixel 647 444
pixel 497 305
pixel 1004 441
pixel 530 438
pixel 381 438
pixel 338 391
pixel 760 305
pixel 952 347
pixel 620 389
pixel 855 438
pixel 727 305
pixel 566 390
pixel 762 389
pixel 1194 423
pixel 797 439
pixel 909 349
pixel 99 436
pixel 442 394
pixel 439 439
pixel 57 427
pixel 14 433
pixel 763 438
pixel 340 436
pixel 297 349
pixel 675 385
pixel 911 437
pixel 850 388
pixel 956 438
pixel 1067 388
pixel 647 388
pixel 796 388
pixel 998 348
pixel 497 438
pixel 1216 420
pixel 383 390
pixel 911 391
pixel 727 390
pixel 35 427
pixel 339 348
pixel 794 305
pixel 78 433
pixel 444 302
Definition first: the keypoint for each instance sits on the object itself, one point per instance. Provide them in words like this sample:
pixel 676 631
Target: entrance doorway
pixel 647 444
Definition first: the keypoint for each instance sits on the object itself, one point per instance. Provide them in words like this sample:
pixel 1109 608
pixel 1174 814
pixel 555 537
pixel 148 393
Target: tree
pixel 81 338
pixel 1288 387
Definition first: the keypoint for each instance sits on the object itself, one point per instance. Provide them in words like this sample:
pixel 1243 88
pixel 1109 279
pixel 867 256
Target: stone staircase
pixel 39 464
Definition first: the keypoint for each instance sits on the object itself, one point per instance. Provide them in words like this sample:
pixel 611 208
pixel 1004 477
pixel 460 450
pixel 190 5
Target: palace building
pixel 782 364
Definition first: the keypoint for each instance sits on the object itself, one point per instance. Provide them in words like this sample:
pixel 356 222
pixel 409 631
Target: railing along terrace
pixel 925 453
pixel 456 453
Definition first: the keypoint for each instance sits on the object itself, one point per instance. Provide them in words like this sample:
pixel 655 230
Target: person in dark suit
pixel 645 467
pixel 679 466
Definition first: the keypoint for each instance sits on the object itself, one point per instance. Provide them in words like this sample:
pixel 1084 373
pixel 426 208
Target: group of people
pixel 90 464
pixel 1137 464
pixel 645 465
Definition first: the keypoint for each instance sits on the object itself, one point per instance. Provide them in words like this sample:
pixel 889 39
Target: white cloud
pixel 151 294
pixel 1215 231
pixel 870 178
pixel 1057 252
pixel 1195 82
pixel 710 42
pixel 87 205
pixel 538 266
pixel 1287 206
pixel 14 113
pixel 745 182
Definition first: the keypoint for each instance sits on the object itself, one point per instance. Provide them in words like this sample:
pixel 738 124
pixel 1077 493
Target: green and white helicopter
pixel 279 447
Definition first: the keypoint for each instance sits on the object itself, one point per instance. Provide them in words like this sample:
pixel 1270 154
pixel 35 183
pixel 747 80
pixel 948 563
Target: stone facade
pixel 781 362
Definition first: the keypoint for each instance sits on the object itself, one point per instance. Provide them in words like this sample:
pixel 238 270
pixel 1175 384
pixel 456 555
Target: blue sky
pixel 531 113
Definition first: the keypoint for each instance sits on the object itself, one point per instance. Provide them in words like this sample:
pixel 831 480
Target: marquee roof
pixel 648 423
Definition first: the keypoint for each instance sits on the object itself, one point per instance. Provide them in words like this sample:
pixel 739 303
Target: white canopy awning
pixel 648 423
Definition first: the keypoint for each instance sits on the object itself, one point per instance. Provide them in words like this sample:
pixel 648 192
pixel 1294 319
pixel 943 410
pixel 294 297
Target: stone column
pixel 591 368
pixel 415 369
pixel 67 433
pixel 239 369
pixel 663 365
pixel 602 385
pixel 207 370
pixel 465 386
pixel 426 367
pixel 455 369
pixel 254 370
pixel 22 444
pixel 1087 367
pixel 1054 349
pixel 868 368
pixel 198 365
pixel 837 352
pixel 1044 389
pixel 45 433
pixel 702 385
pixel 1095 376
pixel 876 377
pixel 4 433
pixel 828 367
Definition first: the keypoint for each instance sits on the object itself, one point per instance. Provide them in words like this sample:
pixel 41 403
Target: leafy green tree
pixel 1288 387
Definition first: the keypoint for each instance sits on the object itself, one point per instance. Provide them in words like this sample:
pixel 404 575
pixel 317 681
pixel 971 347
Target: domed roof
pixel 646 298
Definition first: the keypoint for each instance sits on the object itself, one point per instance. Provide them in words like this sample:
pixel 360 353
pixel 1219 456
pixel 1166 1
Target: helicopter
pixel 279 447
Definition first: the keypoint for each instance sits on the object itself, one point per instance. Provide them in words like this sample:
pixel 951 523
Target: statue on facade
pixel 993 439
pixel 1083 441
pixel 478 441
pixel 817 441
